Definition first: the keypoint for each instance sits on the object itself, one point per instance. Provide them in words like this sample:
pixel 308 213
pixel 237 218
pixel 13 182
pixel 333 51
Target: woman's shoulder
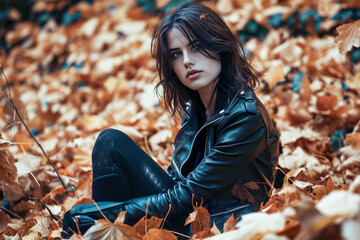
pixel 245 102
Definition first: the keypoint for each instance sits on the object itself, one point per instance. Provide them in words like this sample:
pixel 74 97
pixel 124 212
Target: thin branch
pixel 100 210
pixel 32 136
pixel 11 213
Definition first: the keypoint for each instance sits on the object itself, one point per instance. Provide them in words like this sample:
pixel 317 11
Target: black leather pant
pixel 122 170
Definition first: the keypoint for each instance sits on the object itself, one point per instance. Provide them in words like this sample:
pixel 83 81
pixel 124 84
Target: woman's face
pixel 194 70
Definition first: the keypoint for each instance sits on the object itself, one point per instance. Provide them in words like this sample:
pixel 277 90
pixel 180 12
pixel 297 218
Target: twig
pixel 21 119
pixel 146 231
pixel 11 212
pixel 100 210
pixel 44 204
pixel 180 234
pixel 166 217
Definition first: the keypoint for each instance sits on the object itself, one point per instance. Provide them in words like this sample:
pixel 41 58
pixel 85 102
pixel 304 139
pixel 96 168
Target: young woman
pixel 226 136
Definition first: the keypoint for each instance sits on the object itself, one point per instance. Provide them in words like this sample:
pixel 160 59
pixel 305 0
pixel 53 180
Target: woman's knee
pixel 110 137
pixel 107 141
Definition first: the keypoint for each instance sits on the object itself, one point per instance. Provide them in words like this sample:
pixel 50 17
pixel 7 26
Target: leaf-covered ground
pixel 92 70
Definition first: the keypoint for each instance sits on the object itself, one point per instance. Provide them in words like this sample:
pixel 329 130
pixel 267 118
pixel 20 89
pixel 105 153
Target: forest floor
pixel 93 70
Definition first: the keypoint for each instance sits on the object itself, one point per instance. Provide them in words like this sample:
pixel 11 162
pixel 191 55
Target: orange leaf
pixel 230 223
pixel 354 140
pixel 8 172
pixel 199 219
pixel 240 191
pixel 348 36
pixel 251 185
pixel 326 102
pixel 205 233
pixel 146 224
pixel 159 234
pixel 54 196
pixel 274 76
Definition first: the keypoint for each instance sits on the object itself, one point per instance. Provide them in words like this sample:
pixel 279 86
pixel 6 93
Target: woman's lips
pixel 194 75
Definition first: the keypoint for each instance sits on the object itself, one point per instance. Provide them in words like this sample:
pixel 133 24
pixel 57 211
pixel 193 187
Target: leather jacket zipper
pixel 192 144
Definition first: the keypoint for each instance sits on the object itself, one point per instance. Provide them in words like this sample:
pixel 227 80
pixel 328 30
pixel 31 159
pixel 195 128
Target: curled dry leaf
pixel 326 102
pixel 146 224
pixel 274 76
pixel 54 197
pixel 4 220
pixel 159 234
pixel 32 236
pixel 7 169
pixel 199 219
pixel 104 229
pixel 348 36
pixel 230 223
pixel 242 191
pixel 354 140
pixel 205 233
pixel 42 227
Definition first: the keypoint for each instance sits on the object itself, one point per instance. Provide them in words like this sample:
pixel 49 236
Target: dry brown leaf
pixel 205 233
pixel 94 122
pixel 104 229
pixel 7 170
pixel 326 102
pixel 305 90
pixel 199 219
pixel 348 36
pixel 23 206
pixel 54 197
pixel 32 236
pixel 4 220
pixel 225 6
pixel 161 3
pixel 244 190
pixel 146 224
pixel 42 227
pixel 27 164
pixel 274 76
pixel 230 224
pixel 215 230
pixel 291 229
pixel 159 234
pixel 354 140
pixel 298 113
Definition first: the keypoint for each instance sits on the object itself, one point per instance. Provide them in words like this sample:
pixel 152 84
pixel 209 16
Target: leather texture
pixel 239 140
pixel 237 144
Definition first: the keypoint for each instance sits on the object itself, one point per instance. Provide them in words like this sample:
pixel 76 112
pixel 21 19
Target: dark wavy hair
pixel 201 23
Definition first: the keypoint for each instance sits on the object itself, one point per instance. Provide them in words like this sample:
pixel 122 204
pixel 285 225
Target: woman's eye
pixel 175 54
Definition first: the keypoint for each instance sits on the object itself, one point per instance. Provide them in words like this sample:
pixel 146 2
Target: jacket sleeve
pixel 239 142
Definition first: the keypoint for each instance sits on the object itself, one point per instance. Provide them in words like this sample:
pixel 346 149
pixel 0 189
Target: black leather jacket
pixel 233 145
pixel 237 144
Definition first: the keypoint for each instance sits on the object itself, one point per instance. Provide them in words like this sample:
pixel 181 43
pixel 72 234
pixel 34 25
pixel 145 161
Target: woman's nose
pixel 188 60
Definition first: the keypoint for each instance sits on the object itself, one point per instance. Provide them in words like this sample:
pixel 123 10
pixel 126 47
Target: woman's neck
pixel 209 103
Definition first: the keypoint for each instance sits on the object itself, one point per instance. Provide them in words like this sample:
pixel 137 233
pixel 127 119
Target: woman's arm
pixel 241 140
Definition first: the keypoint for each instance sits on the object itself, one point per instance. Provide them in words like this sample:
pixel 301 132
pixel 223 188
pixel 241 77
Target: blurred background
pixel 76 67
